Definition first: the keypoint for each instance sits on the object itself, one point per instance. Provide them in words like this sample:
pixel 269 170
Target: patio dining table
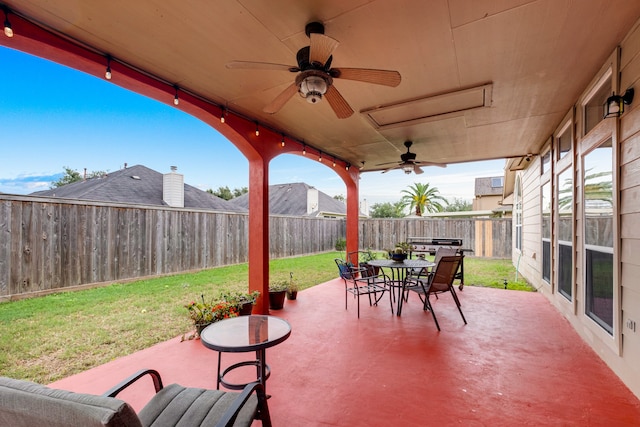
pixel 399 270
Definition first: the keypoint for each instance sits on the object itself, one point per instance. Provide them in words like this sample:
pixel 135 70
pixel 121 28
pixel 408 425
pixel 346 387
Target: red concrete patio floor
pixel 517 362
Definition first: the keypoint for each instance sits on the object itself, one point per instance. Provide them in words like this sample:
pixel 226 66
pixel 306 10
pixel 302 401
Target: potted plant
pixel 292 288
pixel 243 301
pixel 400 252
pixel 364 258
pixel 203 313
pixel 277 293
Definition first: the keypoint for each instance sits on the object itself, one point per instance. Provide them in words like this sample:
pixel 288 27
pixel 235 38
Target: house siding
pixel 621 350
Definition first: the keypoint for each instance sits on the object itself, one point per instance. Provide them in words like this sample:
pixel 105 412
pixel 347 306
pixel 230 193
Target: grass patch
pixel 51 337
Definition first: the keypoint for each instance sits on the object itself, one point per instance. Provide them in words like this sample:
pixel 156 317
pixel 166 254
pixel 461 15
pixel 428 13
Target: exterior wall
pixel 526 260
pixel 482 203
pixel 629 214
pixel 619 349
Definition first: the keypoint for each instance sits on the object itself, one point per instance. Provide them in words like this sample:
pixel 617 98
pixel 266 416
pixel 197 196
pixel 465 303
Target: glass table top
pixel 245 333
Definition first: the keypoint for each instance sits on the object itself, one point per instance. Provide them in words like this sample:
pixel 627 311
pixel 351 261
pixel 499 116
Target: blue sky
pixel 53 116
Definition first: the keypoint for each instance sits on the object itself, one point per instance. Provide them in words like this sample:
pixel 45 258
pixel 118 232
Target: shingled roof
pixel 136 184
pixel 291 199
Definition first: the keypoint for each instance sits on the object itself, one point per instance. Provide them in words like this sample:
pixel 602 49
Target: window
pixel 546 162
pixel 563 142
pixel 565 233
pixel 496 182
pixel 546 232
pixel 597 184
pixel 593 109
pixel 518 214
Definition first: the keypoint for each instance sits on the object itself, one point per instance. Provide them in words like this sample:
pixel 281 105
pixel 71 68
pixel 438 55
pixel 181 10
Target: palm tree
pixel 423 199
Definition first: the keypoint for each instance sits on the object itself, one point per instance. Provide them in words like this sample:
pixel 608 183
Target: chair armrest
pixel 155 376
pixel 230 415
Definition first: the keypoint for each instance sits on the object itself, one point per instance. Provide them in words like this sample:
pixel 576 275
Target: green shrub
pixel 341 244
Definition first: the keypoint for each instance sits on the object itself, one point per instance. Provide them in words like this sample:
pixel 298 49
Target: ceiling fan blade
pixel 388 163
pixel 248 65
pixel 338 103
pixel 321 48
pixel 378 77
pixel 281 99
pixel 417 170
pixel 440 165
pixel 390 169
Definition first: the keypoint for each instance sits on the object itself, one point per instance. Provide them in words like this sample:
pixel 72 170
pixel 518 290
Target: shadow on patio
pixel 517 362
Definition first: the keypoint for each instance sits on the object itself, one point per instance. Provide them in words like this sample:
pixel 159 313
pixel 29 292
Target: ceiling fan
pixel 315 75
pixel 408 162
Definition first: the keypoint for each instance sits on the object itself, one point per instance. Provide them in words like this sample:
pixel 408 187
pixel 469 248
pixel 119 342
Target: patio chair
pixel 439 281
pixel 23 403
pixel 359 281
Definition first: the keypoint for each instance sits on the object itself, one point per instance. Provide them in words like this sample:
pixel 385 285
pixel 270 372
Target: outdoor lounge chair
pixel 439 281
pixel 360 281
pixel 23 403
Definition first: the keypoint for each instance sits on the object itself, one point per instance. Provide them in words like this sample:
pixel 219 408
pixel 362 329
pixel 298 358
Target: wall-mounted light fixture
pixel 8 31
pixel 107 73
pixel 614 107
pixel 176 101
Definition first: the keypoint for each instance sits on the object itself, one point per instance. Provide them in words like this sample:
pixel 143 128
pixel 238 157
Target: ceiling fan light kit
pixel 312 87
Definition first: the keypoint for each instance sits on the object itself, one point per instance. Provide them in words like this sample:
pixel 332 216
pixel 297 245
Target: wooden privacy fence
pixel 47 244
pixel 487 237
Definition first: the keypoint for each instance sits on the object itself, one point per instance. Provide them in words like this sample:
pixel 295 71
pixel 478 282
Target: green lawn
pixel 47 338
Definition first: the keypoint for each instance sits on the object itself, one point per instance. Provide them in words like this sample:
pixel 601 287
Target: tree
pixel 458 205
pixel 387 210
pixel 423 199
pixel 237 192
pixel 226 193
pixel 340 197
pixel 72 175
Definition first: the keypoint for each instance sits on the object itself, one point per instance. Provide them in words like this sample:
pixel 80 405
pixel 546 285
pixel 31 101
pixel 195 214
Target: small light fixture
pixel 614 107
pixel 282 142
pixel 176 101
pixel 304 150
pixel 334 162
pixel 257 130
pixel 222 114
pixel 320 156
pixel 361 166
pixel 107 73
pixel 8 31
pixel 312 88
pixel 347 166
pixel 408 168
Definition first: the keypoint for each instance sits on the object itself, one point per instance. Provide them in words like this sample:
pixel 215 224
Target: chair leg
pixel 430 308
pixel 455 298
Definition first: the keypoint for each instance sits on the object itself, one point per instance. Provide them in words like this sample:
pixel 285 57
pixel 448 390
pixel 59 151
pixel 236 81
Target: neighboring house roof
pixel 491 186
pixel 136 184
pixel 291 199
